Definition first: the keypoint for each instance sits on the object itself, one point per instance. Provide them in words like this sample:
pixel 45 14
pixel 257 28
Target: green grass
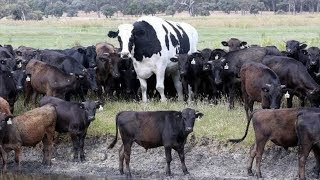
pixel 218 123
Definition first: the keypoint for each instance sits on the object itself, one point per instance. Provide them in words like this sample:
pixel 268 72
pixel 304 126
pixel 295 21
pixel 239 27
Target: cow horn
pixel 269 85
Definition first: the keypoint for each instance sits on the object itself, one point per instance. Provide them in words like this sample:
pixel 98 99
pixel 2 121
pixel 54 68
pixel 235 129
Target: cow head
pixel 24 54
pixel 123 34
pixel 89 55
pixel 19 77
pixel 189 116
pixel 127 73
pixel 92 78
pixel 293 47
pixel 271 95
pixel 5 120
pixel 314 97
pixel 234 44
pixel 313 54
pixel 90 108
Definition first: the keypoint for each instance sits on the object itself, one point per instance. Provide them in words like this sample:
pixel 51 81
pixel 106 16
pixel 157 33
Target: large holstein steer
pixel 48 80
pixel 153 42
pixel 74 118
pixel 153 129
pixel 28 129
pixel 259 83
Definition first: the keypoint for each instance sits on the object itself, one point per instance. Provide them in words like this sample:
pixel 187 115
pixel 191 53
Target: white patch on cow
pixel 193 61
pixel 100 108
pixel 9 121
pixel 226 66
pixel 125 34
pixel 287 95
pixel 19 65
pixel 28 79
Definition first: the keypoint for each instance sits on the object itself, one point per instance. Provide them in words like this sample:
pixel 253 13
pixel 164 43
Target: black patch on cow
pixel 145 39
pixel 166 36
pixel 120 42
pixel 183 39
pixel 174 41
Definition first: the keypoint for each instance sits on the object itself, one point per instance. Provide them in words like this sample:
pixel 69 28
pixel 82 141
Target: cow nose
pixel 182 72
pixel 128 91
pixel 188 129
pixel 19 88
pixel 313 63
pixel 217 81
pixel 91 118
pixel 125 55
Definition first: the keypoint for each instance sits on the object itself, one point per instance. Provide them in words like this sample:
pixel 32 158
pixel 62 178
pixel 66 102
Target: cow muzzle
pixel 125 55
pixel 189 129
pixel 91 118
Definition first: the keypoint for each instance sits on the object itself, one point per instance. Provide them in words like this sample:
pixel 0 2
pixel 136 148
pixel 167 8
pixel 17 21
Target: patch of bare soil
pixel 206 159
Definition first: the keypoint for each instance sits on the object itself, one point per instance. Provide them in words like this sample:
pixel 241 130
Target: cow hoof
pixel 75 160
pixel 250 173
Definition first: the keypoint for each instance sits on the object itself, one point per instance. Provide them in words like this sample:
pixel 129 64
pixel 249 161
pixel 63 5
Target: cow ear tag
pixel 100 108
pixel 9 121
pixel 216 57
pixel 226 66
pixel 287 95
pixel 193 61
pixel 28 78
pixel 19 65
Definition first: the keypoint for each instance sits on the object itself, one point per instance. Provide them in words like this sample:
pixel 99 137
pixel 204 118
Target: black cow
pixel 294 50
pixel 65 63
pixel 24 54
pixel 234 44
pixel 128 80
pixel 295 76
pixel 259 83
pixel 84 55
pixel 74 118
pixel 313 62
pixel 153 129
pixel 308 132
pixel 7 60
pixel 8 89
pixel 19 76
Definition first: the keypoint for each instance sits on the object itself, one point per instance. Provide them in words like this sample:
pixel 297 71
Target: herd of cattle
pixel 159 59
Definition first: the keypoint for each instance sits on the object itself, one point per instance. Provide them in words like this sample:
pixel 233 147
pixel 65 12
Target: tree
pixel 108 10
pixel 228 5
pixel 171 10
pixel 55 9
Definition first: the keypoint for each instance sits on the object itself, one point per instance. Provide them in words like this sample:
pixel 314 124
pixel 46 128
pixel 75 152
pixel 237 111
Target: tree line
pixel 37 9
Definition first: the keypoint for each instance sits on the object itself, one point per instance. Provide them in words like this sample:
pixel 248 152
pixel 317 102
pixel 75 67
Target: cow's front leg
pixel 76 146
pixel 178 85
pixel 160 85
pixel 143 86
pixel 168 159
pixel 82 156
pixel 180 151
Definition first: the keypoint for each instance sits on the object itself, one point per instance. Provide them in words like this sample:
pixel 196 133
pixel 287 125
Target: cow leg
pixel 76 145
pixel 301 101
pixel 246 103
pixel 316 152
pixel 304 150
pixel 168 159
pixel 121 159
pixel 27 93
pixel 143 87
pixel 127 152
pixel 252 155
pixel 178 85
pixel 289 101
pixel 160 84
pixel 4 159
pixel 260 143
pixel 182 158
pixel 82 156
pixel 17 157
pixel 47 148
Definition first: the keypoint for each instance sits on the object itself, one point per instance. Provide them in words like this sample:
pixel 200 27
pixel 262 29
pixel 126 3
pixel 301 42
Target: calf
pixel 294 50
pixel 153 129
pixel 313 62
pixel 7 60
pixel 28 129
pixel 234 44
pixel 259 83
pixel 74 118
pixel 308 132
pixel 49 80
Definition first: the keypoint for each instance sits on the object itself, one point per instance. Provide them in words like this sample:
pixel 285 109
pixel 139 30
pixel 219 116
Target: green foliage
pixel 228 5
pixel 55 9
pixel 108 10
pixel 171 10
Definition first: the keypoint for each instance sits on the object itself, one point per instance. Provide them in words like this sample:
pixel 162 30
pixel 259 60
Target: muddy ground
pixel 205 159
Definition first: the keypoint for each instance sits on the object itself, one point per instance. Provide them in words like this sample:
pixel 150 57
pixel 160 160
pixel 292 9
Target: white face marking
pixel 287 95
pixel 28 79
pixel 125 34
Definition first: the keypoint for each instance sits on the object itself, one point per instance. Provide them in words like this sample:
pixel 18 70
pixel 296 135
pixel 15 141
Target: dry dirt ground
pixel 205 159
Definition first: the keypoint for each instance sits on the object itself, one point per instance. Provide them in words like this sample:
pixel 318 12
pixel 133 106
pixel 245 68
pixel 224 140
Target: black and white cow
pixel 151 42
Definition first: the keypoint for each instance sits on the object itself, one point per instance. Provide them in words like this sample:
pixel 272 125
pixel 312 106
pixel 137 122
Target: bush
pixel 108 10
pixel 35 15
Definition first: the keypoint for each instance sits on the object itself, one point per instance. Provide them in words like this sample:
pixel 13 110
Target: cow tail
pixel 116 138
pixel 245 135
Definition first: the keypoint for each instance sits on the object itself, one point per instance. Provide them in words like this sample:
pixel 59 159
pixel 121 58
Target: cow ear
pixel 243 43
pixel 224 43
pixel 81 105
pixel 19 53
pixel 199 115
pixel 113 34
pixel 302 46
pixel 178 115
pixel 81 50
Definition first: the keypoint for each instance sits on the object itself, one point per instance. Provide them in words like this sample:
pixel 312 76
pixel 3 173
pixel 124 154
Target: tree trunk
pixel 23 16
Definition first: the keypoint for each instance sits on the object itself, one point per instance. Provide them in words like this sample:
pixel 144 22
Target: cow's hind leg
pixel 316 152
pixel 260 143
pixel 182 159
pixel 17 157
pixel 160 85
pixel 121 159
pixel 178 85
pixel 127 152
pixel 168 159
pixel 252 155
pixel 304 150
pixel 47 148
pixel 143 87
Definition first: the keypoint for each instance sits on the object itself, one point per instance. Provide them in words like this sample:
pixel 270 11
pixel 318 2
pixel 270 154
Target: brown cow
pixel 4 106
pixel 28 129
pixel 48 80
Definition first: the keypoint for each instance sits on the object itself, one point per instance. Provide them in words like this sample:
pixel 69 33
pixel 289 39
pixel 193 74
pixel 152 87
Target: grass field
pixel 218 122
